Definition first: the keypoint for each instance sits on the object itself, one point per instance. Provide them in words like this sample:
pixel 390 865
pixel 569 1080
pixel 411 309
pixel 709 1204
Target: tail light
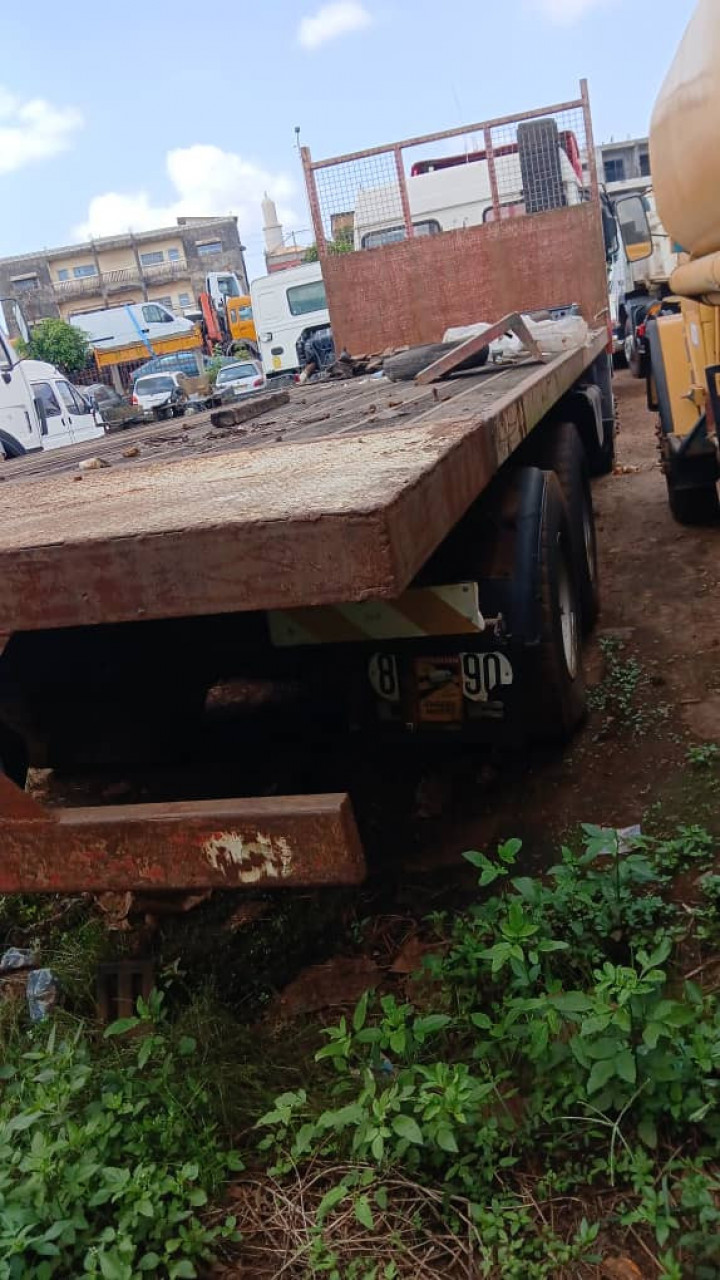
pixel 258 382
pixel 641 331
pixel 134 399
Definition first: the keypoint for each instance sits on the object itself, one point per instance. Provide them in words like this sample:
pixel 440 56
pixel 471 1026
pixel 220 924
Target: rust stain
pixel 285 841
pixel 266 857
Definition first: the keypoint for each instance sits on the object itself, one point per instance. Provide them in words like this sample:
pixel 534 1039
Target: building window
pixel 165 302
pixel 87 269
pixel 644 164
pixel 615 170
pixel 152 259
pixel 173 255
pixel 184 300
pixel 208 247
pixel 63 273
pixel 23 284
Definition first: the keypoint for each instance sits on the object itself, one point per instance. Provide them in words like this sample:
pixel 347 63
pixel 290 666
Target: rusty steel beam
pixel 492 172
pixel 457 356
pixel 265 843
pixel 314 201
pixel 459 131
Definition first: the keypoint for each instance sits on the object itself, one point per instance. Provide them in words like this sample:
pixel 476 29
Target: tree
pixel 343 243
pixel 60 344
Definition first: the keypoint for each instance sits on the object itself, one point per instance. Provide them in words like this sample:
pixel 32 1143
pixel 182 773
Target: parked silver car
pixel 240 378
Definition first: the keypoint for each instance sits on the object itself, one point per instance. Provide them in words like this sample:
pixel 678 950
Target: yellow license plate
pixel 439 690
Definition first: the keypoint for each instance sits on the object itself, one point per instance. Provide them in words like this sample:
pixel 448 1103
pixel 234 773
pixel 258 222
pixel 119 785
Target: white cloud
pixel 332 21
pixel 206 181
pixel 33 129
pixel 565 12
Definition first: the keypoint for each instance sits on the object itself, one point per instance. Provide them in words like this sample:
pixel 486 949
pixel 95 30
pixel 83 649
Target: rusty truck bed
pixel 340 494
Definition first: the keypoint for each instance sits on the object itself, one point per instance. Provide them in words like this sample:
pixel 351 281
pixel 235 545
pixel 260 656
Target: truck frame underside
pixel 340 496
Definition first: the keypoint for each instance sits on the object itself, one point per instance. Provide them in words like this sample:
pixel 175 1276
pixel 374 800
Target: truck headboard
pixel 410 246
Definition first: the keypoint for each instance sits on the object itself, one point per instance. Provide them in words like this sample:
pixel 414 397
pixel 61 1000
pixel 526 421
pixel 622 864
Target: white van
pixel 69 417
pixel 39 409
pixel 288 307
pixel 143 322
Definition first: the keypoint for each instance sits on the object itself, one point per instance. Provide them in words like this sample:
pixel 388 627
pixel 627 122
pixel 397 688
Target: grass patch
pixel 625 700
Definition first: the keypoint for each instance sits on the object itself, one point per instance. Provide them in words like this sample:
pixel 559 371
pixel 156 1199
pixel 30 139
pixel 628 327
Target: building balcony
pixel 109 282
pixel 166 272
pixel 84 287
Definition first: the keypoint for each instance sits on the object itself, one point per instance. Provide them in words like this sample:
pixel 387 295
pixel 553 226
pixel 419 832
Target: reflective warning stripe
pixel 427 611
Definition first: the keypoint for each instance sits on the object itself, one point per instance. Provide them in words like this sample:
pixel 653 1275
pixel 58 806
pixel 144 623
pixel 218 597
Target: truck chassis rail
pixel 258 843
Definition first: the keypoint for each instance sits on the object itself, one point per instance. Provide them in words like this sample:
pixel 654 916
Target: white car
pixel 240 378
pixel 161 395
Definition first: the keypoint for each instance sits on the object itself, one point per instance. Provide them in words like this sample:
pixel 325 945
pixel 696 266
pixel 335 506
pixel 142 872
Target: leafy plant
pixel 549 1029
pixel 704 755
pixel 106 1162
pixel 60 343
pixel 622 697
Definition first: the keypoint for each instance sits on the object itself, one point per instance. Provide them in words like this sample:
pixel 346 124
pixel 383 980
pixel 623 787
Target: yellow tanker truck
pixel 684 336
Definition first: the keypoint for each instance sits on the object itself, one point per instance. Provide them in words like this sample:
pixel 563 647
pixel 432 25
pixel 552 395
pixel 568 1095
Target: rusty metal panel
pixel 413 291
pixel 283 842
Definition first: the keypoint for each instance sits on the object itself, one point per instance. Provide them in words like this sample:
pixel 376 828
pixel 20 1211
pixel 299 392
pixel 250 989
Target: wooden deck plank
pixel 366 482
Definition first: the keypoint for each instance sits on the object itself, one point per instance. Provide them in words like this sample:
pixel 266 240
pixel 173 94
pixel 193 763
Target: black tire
pixel 694 506
pixel 558 688
pixel 635 361
pixel 408 364
pixel 560 449
pixel 13 757
pixel 602 459
pixel 10 447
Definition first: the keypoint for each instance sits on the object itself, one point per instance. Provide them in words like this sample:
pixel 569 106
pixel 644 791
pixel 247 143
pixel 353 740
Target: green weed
pixel 623 697
pixel 704 755
pixel 106 1157
pixel 550 1031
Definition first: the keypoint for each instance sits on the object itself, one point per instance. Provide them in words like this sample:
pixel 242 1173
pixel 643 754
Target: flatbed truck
pixel 410 559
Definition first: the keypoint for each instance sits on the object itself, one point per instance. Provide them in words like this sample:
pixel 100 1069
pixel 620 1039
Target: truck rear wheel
pixel 560 449
pixel 13 758
pixel 636 362
pixel 558 689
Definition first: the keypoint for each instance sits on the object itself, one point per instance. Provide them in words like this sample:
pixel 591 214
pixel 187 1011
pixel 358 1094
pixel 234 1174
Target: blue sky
pixel 112 116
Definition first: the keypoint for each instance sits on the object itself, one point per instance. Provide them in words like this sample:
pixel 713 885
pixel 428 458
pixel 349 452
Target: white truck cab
pixel 288 308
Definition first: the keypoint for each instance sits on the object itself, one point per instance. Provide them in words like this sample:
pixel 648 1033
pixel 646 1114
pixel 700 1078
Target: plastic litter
pixel 567 333
pixel 625 836
pixel 42 994
pixel 16 958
